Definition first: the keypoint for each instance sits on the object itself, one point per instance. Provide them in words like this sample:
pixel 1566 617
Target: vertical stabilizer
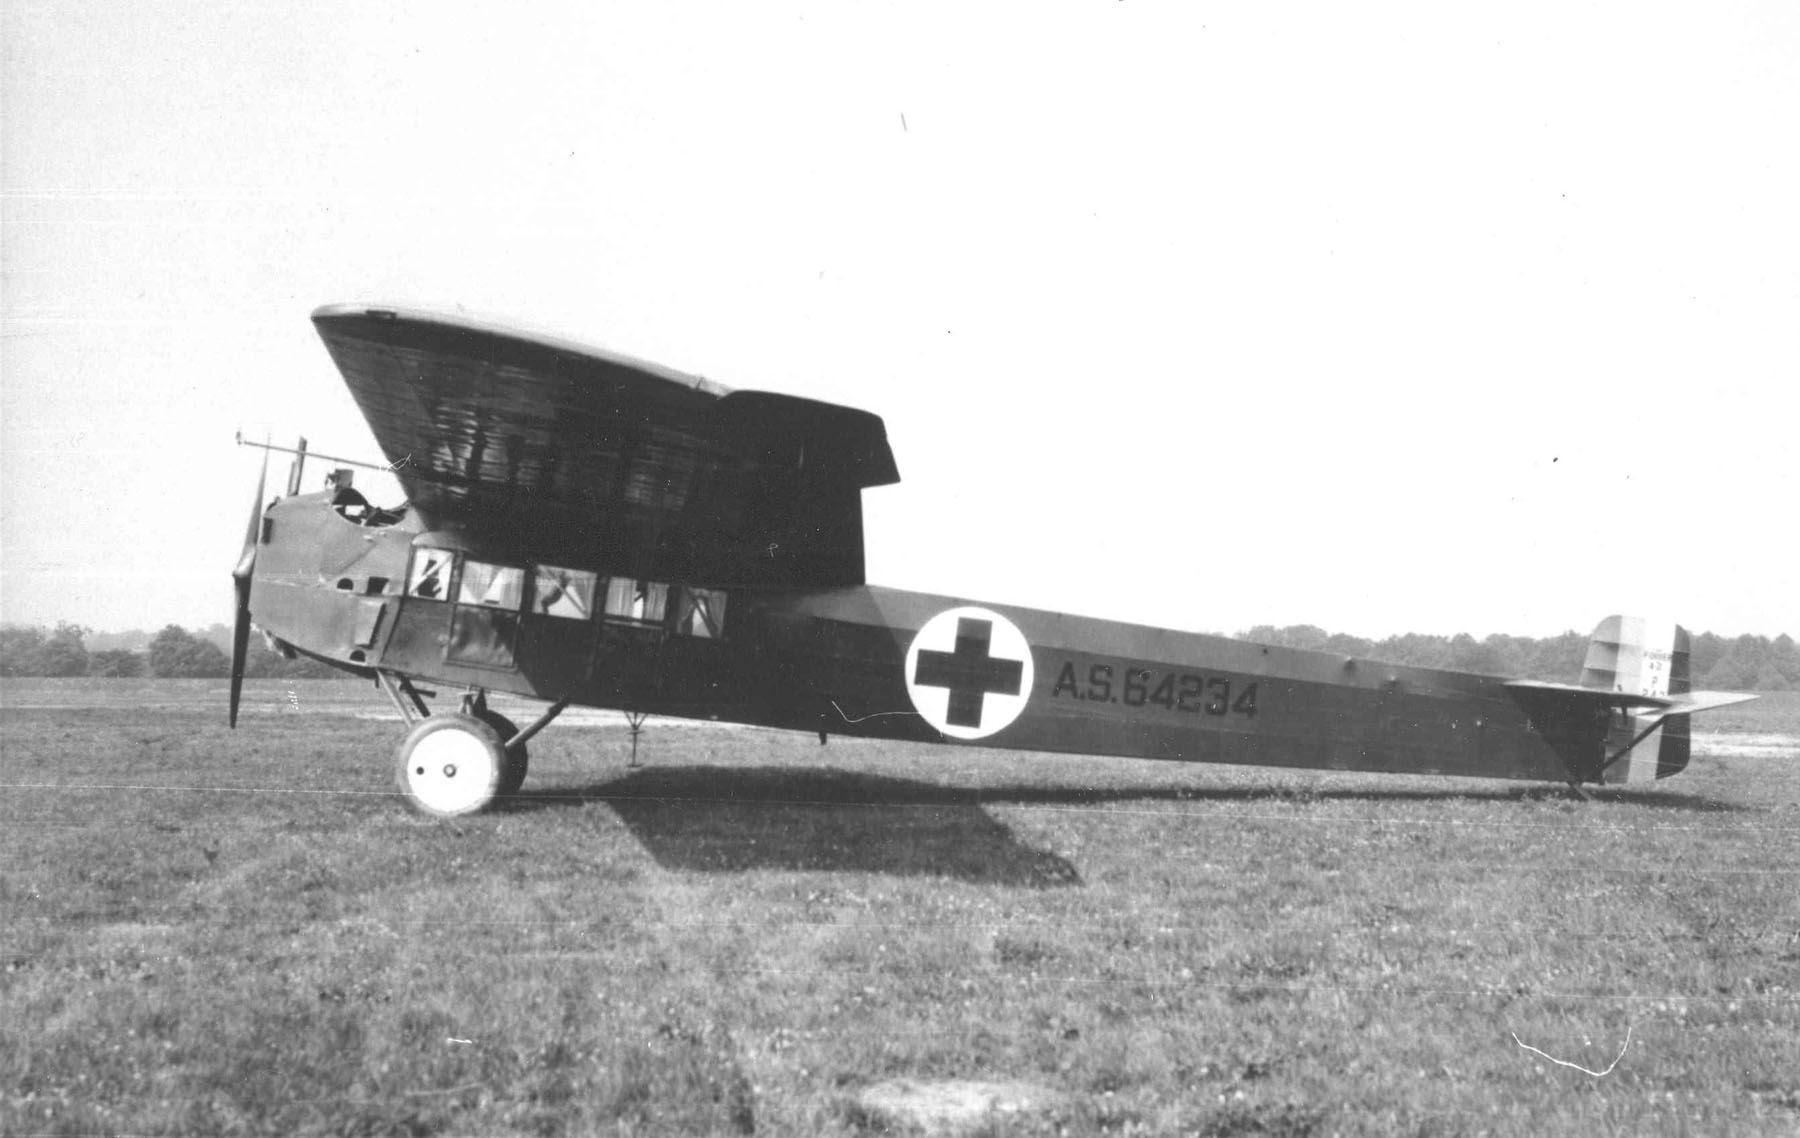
pixel 1641 657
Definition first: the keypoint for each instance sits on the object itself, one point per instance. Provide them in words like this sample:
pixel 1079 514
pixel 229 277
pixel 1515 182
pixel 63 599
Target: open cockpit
pixel 350 504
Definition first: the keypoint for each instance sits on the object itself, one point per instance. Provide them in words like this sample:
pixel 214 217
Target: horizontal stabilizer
pixel 1689 702
pixel 1598 695
pixel 1686 703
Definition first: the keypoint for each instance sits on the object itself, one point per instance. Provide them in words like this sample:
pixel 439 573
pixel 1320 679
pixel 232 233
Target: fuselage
pixel 871 661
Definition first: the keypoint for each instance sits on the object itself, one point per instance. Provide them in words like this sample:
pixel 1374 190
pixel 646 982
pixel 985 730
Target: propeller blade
pixel 241 577
pixel 240 645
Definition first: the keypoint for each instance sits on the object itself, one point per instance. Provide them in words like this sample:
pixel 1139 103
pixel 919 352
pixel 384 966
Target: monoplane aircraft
pixel 583 528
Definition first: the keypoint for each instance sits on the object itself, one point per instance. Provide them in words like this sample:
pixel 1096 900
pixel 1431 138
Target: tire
pixel 512 775
pixel 449 766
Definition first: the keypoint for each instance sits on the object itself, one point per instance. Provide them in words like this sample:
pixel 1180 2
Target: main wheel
pixel 512 775
pixel 450 765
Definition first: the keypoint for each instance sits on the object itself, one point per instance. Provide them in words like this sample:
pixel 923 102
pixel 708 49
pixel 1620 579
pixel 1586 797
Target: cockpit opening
pixel 350 504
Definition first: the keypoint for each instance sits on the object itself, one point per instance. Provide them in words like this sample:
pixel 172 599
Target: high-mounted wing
pixel 575 455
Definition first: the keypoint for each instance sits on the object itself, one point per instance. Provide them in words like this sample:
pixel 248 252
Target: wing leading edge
pixel 579 455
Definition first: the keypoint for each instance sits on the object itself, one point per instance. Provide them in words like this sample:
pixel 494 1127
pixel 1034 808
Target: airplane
pixel 587 529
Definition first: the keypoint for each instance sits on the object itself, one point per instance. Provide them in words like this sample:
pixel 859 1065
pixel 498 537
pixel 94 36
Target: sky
pixel 1378 317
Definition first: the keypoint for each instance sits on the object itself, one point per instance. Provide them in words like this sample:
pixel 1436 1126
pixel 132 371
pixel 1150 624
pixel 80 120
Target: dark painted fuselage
pixel 837 660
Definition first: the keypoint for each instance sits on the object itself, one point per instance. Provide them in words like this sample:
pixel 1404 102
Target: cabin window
pixel 431 574
pixel 485 624
pixel 701 613
pixel 491 586
pixel 562 592
pixel 642 601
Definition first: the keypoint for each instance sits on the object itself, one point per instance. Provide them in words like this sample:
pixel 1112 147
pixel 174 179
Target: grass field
pixel 208 932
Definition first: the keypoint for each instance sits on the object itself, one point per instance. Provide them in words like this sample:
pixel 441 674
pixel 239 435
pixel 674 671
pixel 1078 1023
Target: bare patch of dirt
pixel 1748 745
pixel 953 1106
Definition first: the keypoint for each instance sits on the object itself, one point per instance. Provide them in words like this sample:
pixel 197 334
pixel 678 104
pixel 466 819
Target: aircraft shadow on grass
pixel 707 819
pixel 710 820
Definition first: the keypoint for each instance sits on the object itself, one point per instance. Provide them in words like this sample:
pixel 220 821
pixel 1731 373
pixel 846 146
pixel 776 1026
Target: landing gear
pixel 451 765
pixel 448 777
pixel 635 720
pixel 512 775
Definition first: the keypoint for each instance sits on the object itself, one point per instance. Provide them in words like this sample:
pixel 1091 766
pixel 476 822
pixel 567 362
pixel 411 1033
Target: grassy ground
pixel 213 932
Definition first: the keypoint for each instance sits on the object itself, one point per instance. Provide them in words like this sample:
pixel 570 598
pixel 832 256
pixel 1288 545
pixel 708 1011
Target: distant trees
pixel 1487 657
pixel 176 652
pixel 63 653
pixel 1554 658
pixel 29 651
pixel 19 648
pixel 115 664
pixel 1751 663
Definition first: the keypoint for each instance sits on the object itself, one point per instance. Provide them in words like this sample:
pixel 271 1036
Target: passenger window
pixel 562 592
pixel 618 596
pixel 644 601
pixel 492 586
pixel 701 613
pixel 431 574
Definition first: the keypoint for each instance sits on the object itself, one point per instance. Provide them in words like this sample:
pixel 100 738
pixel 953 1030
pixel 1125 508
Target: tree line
pixel 1720 663
pixel 175 652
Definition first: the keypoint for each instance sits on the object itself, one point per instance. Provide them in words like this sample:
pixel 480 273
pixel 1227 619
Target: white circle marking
pixel 969 672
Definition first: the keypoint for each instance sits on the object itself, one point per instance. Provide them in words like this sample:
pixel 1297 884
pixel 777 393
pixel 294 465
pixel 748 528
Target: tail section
pixel 1627 720
pixel 1637 657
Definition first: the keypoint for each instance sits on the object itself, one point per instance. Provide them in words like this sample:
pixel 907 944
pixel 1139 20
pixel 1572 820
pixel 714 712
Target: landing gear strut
pixel 512 775
pixel 635 720
pixel 450 765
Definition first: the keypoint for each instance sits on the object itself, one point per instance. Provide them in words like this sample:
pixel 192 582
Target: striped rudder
pixel 1641 657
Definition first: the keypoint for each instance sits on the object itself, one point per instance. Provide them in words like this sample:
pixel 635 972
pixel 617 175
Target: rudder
pixel 1641 657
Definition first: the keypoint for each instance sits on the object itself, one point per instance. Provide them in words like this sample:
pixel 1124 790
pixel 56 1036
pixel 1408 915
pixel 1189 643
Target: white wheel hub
pixel 450 765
